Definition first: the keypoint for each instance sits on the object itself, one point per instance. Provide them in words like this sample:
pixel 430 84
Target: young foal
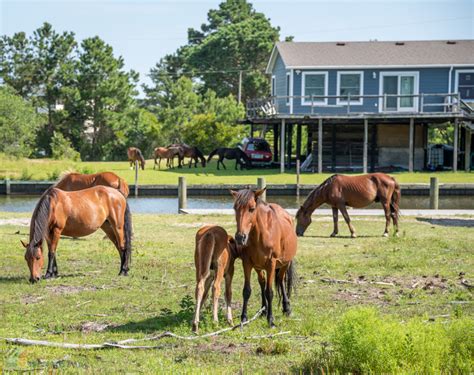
pixel 216 251
pixel 340 191
pixel 269 244
pixel 169 154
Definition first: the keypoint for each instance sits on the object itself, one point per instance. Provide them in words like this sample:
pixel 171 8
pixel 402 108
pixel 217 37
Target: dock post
pixel 366 143
pixel 434 193
pixel 260 185
pixel 7 186
pixel 467 154
pixel 182 194
pixel 297 177
pixel 136 178
pixel 411 145
pixel 320 145
pixel 282 146
pixel 456 145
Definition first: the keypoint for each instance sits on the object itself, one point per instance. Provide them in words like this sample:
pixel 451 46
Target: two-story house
pixel 367 105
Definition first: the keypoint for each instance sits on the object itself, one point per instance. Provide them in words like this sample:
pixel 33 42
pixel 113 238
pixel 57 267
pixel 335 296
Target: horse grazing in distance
pixel 193 153
pixel 169 153
pixel 134 154
pixel 215 251
pixel 340 191
pixel 77 181
pixel 231 153
pixel 265 232
pixel 77 214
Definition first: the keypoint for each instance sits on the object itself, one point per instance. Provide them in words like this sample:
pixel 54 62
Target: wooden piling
pixel 260 185
pixel 7 186
pixel 298 177
pixel 182 194
pixel 434 193
pixel 136 178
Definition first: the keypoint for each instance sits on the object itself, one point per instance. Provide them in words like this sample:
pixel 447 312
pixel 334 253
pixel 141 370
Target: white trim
pixel 287 88
pixel 361 88
pixel 291 90
pixel 303 78
pixel 271 60
pixel 416 90
pixel 273 85
pixel 313 67
pixel 456 80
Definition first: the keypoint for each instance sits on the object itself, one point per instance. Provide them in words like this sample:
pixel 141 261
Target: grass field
pixel 419 274
pixel 47 169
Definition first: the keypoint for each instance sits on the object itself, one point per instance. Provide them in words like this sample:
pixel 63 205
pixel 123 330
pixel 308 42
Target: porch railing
pixel 319 104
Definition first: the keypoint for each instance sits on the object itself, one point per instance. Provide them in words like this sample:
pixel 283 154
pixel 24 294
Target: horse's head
pixel 303 219
pixel 142 163
pixel 245 206
pixel 34 259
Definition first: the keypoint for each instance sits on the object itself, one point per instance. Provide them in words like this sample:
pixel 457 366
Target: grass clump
pixel 363 341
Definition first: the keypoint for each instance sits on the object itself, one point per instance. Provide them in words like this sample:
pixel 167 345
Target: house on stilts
pixel 367 105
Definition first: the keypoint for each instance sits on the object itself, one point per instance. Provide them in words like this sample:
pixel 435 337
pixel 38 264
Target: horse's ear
pixel 25 245
pixel 259 192
pixel 234 193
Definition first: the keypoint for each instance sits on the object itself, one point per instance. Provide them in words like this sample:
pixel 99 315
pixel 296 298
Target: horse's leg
pixel 216 291
pixel 200 290
pixel 222 162
pixel 269 291
pixel 228 292
pixel 131 164
pixel 335 218
pixel 237 163
pixel 247 289
pixel 154 165
pixel 386 209
pixel 52 270
pixel 261 281
pixel 110 233
pixel 117 227
pixel 284 295
pixel 207 287
pixel 344 213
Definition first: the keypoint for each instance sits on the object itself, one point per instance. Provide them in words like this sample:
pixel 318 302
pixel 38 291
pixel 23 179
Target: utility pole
pixel 239 98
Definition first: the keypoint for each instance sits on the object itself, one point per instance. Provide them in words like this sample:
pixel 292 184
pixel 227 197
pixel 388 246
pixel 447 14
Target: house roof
pixel 373 54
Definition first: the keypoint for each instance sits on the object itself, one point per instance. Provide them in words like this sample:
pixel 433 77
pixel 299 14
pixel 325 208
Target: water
pixel 169 205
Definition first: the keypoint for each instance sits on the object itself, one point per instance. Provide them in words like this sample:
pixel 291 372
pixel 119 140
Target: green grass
pixel 424 264
pixel 46 169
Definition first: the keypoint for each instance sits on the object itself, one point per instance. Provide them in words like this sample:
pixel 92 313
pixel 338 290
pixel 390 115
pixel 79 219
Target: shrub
pixel 53 176
pixel 26 175
pixel 61 148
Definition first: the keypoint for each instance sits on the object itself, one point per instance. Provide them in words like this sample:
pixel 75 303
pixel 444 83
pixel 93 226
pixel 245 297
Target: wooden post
pixel 411 144
pixel 366 143
pixel 297 177
pixel 298 141
pixel 434 193
pixel 320 146
pixel 275 143
pixel 467 153
pixel 290 144
pixel 260 185
pixel 182 193
pixel 455 146
pixel 7 186
pixel 282 146
pixel 136 178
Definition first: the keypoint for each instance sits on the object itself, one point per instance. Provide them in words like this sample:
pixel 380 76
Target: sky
pixel 144 31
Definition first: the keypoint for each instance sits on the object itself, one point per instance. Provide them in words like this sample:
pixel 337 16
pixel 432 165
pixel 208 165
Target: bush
pixel 53 176
pixel 61 148
pixel 363 342
pixel 26 175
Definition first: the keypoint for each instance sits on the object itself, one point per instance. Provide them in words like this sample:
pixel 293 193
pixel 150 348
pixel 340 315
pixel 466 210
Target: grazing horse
pixel 340 191
pixel 135 154
pixel 77 214
pixel 193 153
pixel 231 153
pixel 77 181
pixel 215 251
pixel 265 232
pixel 169 153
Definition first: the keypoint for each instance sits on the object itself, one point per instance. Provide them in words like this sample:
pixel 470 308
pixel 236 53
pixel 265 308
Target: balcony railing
pixel 317 105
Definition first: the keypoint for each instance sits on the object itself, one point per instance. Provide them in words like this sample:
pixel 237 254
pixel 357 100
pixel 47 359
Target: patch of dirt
pixel 69 289
pixel 94 327
pixel 20 222
pixel 29 299
pixel 368 294
pixel 224 348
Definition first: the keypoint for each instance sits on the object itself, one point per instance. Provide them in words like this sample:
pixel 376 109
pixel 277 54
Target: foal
pixel 216 251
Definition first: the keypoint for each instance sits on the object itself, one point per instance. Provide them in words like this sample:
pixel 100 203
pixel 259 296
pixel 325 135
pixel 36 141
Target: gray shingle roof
pixel 352 54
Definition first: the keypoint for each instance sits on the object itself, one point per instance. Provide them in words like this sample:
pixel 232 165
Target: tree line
pixel 62 97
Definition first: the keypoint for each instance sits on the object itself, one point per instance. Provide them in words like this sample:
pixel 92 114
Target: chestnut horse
pixel 135 154
pixel 78 181
pixel 77 214
pixel 215 251
pixel 169 153
pixel 340 191
pixel 193 153
pixel 265 230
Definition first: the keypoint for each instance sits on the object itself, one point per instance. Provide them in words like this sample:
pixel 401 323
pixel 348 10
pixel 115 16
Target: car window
pixel 251 147
pixel 262 146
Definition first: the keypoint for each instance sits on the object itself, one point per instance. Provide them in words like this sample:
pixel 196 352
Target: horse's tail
pixel 290 280
pixel 395 201
pixel 123 187
pixel 211 155
pixel 128 232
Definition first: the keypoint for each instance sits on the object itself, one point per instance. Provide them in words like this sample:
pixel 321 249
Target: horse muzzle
pixel 34 279
pixel 299 232
pixel 241 238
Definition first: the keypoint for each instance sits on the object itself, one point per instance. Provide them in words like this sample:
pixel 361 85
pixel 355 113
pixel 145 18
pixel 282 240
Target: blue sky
pixel 144 31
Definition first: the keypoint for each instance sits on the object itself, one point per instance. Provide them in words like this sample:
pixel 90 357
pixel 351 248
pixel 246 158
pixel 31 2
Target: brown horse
pixel 193 153
pixel 78 181
pixel 169 153
pixel 269 244
pixel 340 191
pixel 77 214
pixel 135 154
pixel 216 251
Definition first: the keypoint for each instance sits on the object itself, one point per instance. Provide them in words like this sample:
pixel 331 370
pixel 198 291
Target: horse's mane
pixel 64 174
pixel 40 218
pixel 139 153
pixel 318 190
pixel 244 196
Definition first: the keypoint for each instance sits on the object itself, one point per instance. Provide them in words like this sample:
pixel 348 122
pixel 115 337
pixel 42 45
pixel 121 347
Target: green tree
pixel 61 148
pixel 18 123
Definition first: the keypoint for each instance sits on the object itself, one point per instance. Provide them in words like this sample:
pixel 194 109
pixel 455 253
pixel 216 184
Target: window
pixel 273 87
pixel 314 88
pixel 349 83
pixel 399 90
pixel 288 80
pixel 465 84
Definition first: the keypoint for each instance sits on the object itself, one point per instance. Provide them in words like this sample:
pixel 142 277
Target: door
pixel 399 84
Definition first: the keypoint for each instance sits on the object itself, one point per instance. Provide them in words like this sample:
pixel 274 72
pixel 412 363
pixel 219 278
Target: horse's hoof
pixel 230 322
pixel 385 234
pixel 353 235
pixel 272 325
pixel 287 312
pixel 333 234
pixel 123 273
pixel 195 327
pixel 48 275
pixel 397 234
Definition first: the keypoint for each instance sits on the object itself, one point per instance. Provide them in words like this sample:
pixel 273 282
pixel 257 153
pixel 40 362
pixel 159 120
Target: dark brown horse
pixel 193 153
pixel 77 214
pixel 241 158
pixel 135 154
pixel 265 230
pixel 214 258
pixel 78 181
pixel 340 191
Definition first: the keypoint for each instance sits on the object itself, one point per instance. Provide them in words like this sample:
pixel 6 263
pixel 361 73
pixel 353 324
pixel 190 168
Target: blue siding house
pixel 367 105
